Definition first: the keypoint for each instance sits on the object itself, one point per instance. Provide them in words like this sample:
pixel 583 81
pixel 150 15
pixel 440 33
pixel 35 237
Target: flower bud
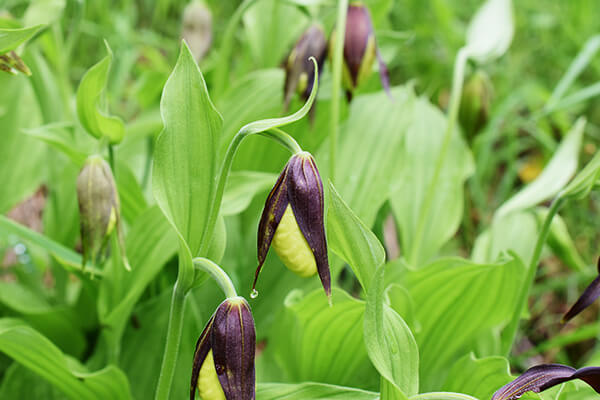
pixel 223 366
pixel 292 221
pixel 475 103
pixel 197 28
pixel 299 70
pixel 360 49
pixel 98 208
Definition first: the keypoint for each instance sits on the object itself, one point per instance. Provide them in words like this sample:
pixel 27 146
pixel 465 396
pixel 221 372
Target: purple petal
pixel 233 344
pixel 590 294
pixel 275 206
pixel 305 194
pixel 202 348
pixel 542 377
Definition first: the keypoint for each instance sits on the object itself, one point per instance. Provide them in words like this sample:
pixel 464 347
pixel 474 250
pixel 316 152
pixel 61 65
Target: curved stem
pixel 511 329
pixel 272 133
pixel 283 139
pixel 457 85
pixel 217 274
pixel 336 85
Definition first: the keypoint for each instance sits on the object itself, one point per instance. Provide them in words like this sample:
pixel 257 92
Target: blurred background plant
pixel 517 127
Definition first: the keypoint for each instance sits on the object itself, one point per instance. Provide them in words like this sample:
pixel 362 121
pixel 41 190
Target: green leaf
pixel 60 136
pixel 584 181
pixel 415 162
pixel 390 343
pixel 96 122
pixel 185 163
pixel 10 39
pixel 309 390
pixel 312 341
pixel 21 383
pixel 490 31
pixel 457 302
pixel 553 178
pixel 366 162
pixel 352 240
pixel 516 232
pixel 150 244
pixel 34 351
pixel 44 11
pixel 478 377
pixel 18 110
pixel 241 188
pixel 584 57
pixel 64 255
pixel 443 396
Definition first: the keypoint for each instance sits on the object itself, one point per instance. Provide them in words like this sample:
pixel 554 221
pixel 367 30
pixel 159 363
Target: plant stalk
pixel 457 86
pixel 508 337
pixel 336 85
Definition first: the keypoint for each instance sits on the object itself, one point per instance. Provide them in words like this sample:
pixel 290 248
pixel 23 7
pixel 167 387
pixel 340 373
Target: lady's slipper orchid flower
pixel 299 70
pixel 542 377
pixel 360 50
pixel 224 357
pixel 292 221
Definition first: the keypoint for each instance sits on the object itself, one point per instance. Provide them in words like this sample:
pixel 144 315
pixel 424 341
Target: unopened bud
pixel 475 103
pixel 197 28
pixel 98 208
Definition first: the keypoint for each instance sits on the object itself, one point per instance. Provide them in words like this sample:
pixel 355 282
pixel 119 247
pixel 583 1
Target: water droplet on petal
pixel 254 294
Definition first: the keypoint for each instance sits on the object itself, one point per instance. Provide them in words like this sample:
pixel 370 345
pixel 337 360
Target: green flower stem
pixel 111 158
pixel 220 276
pixel 222 68
pixel 175 327
pixel 336 85
pixel 457 86
pixel 508 336
pixel 283 139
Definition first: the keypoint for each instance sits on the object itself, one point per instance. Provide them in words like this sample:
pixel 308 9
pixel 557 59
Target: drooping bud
pixel 11 63
pixel 360 49
pixel 292 221
pixel 223 366
pixel 99 209
pixel 475 103
pixel 197 28
pixel 299 70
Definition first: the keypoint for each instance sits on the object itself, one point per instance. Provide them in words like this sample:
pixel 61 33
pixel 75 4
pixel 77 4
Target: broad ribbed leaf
pixel 312 341
pixel 478 377
pixel 185 156
pixel 241 188
pixel 352 240
pixel 303 391
pixel 96 121
pixel 34 351
pixel 458 301
pixel 423 233
pixel 390 343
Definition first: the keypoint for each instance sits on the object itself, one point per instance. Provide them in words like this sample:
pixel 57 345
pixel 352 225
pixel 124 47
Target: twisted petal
pixel 202 348
pixel 305 194
pixel 275 206
pixel 590 294
pixel 233 345
pixel 542 377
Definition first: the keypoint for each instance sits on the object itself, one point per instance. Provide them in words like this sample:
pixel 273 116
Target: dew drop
pixel 254 294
